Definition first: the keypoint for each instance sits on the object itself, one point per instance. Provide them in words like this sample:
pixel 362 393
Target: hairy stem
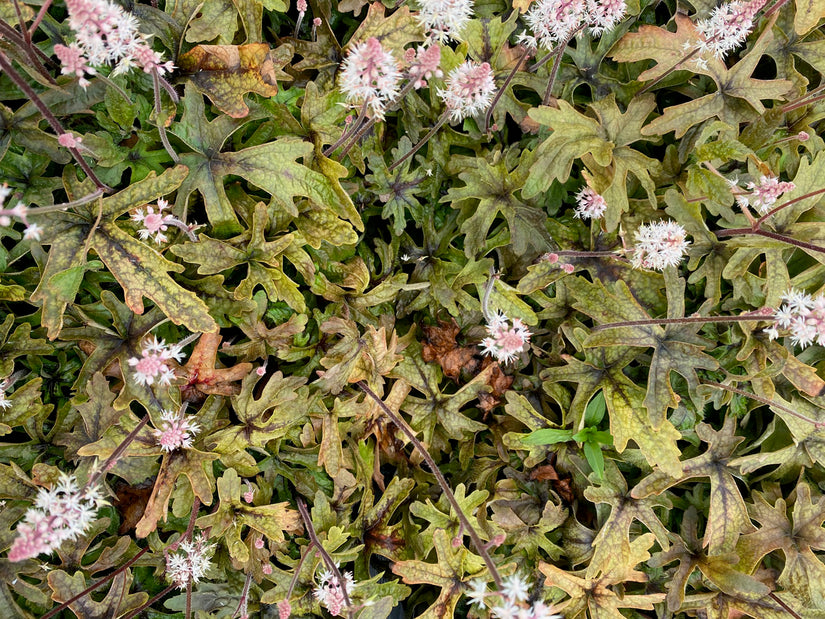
pixel 422 141
pixel 402 425
pixel 754 317
pixel 5 65
pixel 162 121
pixel 150 602
pixel 488 116
pixel 770 235
pixel 313 536
pixel 766 401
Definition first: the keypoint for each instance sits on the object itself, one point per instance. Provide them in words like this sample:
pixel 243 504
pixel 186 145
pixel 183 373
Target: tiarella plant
pixel 433 308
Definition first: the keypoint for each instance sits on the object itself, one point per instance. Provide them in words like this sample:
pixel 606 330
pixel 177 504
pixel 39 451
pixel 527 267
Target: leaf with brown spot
pixel 203 378
pixel 224 73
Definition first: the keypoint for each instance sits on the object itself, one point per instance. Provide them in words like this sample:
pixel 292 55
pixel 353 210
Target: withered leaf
pixel 224 73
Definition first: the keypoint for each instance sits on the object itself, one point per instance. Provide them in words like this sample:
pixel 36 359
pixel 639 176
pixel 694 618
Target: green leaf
pixel 574 135
pixel 489 190
pixel 142 272
pixel 728 515
pixel 548 436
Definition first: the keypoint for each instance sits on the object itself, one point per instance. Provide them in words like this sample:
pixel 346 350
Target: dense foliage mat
pixel 426 308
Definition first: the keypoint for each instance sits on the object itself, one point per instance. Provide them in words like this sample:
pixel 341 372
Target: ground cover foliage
pixel 233 345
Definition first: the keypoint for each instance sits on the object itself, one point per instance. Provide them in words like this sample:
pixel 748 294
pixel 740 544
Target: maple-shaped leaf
pixel 438 415
pixel 612 544
pixel 603 144
pixel 232 513
pixel 282 403
pixel 196 466
pixel 728 515
pixel 264 260
pixel 355 357
pixel 138 268
pixel 224 73
pixel 394 32
pixel 453 568
pixel 96 416
pixel 527 518
pixel 204 378
pixel 446 280
pixel 381 537
pixel 721 569
pixel 116 342
pixel 738 96
pixel 489 191
pixel 676 348
pixel 595 597
pixel 442 516
pixel 797 537
pixel 118 601
pixel 18 343
pixel 629 420
pixel 272 166
pixel 804 447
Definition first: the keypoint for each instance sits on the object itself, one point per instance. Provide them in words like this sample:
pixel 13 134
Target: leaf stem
pixel 95 585
pixel 422 141
pixel 766 401
pixel 402 425
pixel 14 76
pixel 752 317
pixel 770 235
pixel 313 536
pixel 162 121
pixel 488 116
pixel 548 94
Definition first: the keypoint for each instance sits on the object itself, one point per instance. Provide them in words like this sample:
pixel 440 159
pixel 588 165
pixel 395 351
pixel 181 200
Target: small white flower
pixel 803 315
pixel 176 432
pixel 190 563
pixel 727 27
pixel 659 245
pixel 470 90
pixel 370 75
pixel 515 589
pixel 505 342
pixel 589 204
pixel 153 364
pixel 154 223
pixel 477 592
pixel 33 233
pixel 444 19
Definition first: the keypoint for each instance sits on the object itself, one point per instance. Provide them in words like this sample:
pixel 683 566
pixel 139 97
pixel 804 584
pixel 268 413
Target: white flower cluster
pixel 176 432
pixel 727 27
pixel 153 363
pixel 512 600
pixel 506 342
pixel 444 19
pixel 58 515
pixel 370 76
pixel 765 193
pixel 105 34
pixel 589 204
pixel 330 593
pixel 470 90
pixel 190 563
pixel 555 21
pixel 804 316
pixel 659 244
